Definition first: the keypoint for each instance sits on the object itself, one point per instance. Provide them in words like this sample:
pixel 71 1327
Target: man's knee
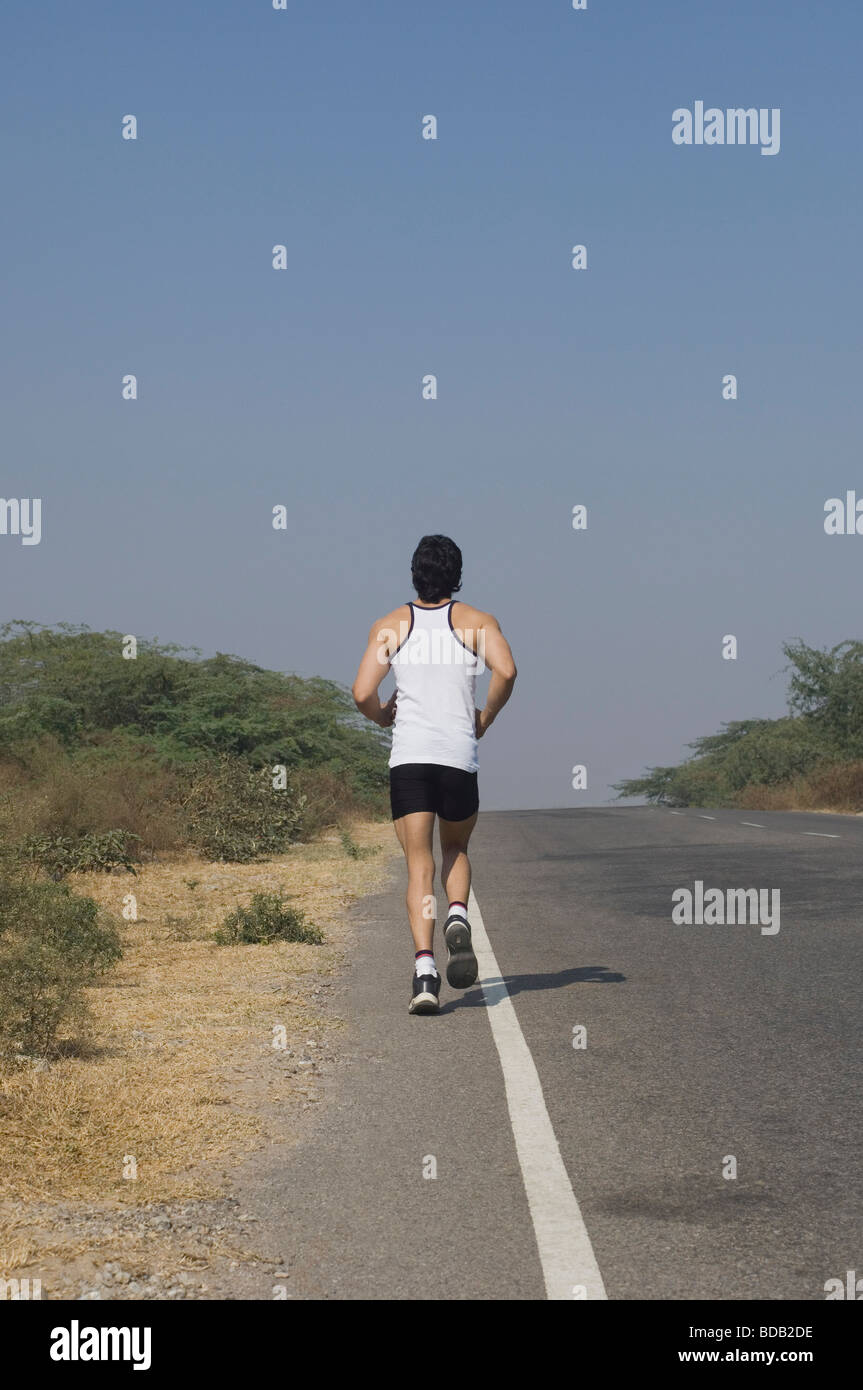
pixel 421 866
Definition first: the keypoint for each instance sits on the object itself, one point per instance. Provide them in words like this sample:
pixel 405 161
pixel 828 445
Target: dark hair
pixel 436 568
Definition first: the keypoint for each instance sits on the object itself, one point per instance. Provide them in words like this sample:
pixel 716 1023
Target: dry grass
pixel 838 789
pixel 179 1070
pixel 54 795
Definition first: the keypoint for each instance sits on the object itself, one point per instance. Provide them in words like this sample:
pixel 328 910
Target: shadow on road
pixel 493 991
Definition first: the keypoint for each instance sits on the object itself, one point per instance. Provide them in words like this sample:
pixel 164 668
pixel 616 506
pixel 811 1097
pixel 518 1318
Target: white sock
pixel 425 964
pixel 457 910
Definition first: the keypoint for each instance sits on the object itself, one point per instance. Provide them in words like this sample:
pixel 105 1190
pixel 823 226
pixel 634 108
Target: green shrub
pixel 745 753
pixel 233 813
pixel 53 945
pixel 169 707
pixel 90 743
pixel 267 918
pixel 63 854
pixel 793 761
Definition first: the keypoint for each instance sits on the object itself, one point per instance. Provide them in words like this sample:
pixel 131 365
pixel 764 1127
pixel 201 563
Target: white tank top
pixel 436 683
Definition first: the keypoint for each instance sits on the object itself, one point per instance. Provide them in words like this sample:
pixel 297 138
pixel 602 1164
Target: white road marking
pixel 822 834
pixel 757 824
pixel 676 813
pixel 700 817
pixel 565 1252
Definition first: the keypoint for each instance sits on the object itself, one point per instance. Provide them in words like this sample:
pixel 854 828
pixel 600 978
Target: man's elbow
pixel 509 673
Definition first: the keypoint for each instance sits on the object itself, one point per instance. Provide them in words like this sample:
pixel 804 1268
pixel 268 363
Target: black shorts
pixel 450 792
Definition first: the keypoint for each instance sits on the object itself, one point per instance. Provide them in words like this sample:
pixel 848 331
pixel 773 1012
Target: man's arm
pixel 373 668
pixel 498 657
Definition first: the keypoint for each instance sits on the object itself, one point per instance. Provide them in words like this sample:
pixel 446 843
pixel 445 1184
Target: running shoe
pixel 461 966
pixel 426 989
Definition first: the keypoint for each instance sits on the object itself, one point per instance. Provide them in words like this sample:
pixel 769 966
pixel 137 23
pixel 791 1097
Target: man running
pixel 435 647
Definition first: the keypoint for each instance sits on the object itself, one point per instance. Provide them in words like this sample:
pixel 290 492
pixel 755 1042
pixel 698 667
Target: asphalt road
pixel 702 1043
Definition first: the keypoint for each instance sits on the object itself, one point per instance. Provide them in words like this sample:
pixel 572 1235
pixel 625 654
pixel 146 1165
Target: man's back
pixel 435 672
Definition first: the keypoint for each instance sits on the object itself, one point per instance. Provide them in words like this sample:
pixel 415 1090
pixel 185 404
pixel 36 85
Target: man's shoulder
pixel 393 621
pixel 465 615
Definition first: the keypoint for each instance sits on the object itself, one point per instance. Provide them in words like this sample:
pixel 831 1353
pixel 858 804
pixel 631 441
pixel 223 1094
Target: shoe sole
pixel 424 1004
pixel 461 968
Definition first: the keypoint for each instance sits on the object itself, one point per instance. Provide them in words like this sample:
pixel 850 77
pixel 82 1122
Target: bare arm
pixel 374 666
pixel 499 659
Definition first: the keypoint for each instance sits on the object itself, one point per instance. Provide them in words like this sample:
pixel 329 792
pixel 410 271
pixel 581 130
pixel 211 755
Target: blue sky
pixel 406 257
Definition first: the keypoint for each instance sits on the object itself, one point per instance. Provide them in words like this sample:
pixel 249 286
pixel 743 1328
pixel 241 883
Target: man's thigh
pixel 455 834
pixel 415 833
